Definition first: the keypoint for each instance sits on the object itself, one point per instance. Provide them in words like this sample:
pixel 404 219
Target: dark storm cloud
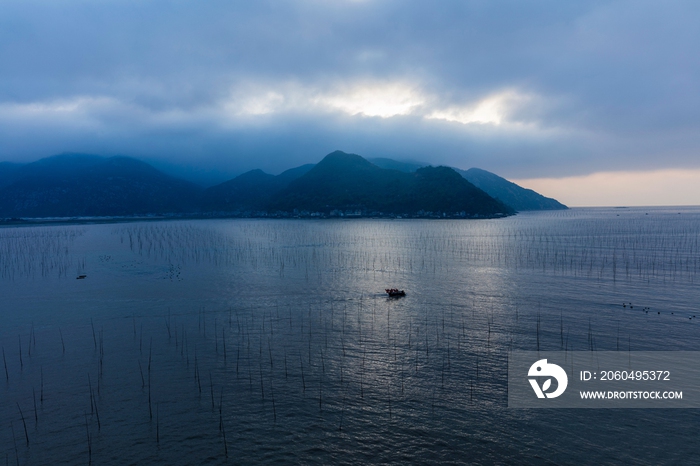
pixel 521 88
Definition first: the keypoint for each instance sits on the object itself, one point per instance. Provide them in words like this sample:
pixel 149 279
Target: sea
pixel 253 341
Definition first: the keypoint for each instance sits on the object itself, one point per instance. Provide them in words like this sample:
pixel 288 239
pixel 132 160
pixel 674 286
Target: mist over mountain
pixel 402 166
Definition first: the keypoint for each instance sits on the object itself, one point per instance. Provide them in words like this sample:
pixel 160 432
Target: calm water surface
pixel 244 341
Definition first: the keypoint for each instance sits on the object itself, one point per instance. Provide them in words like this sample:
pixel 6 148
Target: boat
pixel 395 293
pixel 80 277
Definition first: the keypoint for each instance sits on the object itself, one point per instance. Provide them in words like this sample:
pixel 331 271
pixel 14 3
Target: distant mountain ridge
pixel 72 185
pixel 513 195
pixel 508 192
pixel 342 182
pixel 252 190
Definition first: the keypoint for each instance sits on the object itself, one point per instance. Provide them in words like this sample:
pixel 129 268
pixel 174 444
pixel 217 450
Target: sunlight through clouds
pixel 493 109
pixel 375 99
pixel 382 100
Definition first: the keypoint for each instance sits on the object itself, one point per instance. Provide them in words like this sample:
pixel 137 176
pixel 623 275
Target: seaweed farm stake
pixel 26 435
pixel 262 389
pixel 97 413
pixel 87 430
pixel 272 393
pixel 21 363
pixel 223 340
pixel 143 381
pixel 92 408
pixel 94 338
pixel 221 409
pixel 7 374
pixel 211 387
pixel 150 410
pixel 388 391
pixel 36 414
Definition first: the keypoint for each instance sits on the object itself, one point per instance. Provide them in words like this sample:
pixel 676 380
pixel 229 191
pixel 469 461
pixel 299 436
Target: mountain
pixel 508 192
pixel 511 194
pixel 88 185
pixel 250 191
pixel 76 185
pixel 8 173
pixel 349 182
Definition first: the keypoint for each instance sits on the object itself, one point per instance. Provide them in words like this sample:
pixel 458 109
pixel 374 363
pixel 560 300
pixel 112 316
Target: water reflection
pixel 249 340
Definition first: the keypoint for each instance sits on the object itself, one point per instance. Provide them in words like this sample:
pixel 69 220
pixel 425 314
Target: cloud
pixel 493 109
pixel 525 89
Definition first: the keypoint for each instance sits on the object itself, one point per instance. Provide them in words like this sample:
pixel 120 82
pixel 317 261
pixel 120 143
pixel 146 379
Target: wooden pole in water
pixel 14 440
pixel 262 389
pixel 225 445
pixel 92 406
pixel 150 357
pixel 211 388
pixel 94 338
pixel 7 374
pixel 442 383
pixel 143 381
pixel 36 414
pixel 477 366
pixel 24 423
pixel 21 363
pixel 388 391
pixel 89 441
pixel 269 349
pixel 272 393
pixel 97 414
pixel 221 410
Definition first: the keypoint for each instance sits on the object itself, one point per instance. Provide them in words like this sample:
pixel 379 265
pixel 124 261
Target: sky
pixel 590 102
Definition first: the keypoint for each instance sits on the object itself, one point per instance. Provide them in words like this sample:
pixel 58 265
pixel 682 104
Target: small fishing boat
pixel 395 293
pixel 80 277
